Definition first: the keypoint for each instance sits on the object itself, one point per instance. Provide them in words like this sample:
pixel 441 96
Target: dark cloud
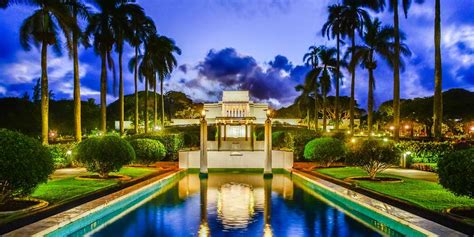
pixel 183 68
pixel 281 62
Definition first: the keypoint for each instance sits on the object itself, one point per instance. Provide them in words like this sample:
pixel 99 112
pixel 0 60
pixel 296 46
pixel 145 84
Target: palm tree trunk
pixel 336 103
pixel 396 74
pixel 121 95
pixel 77 87
pixel 136 89
pixel 316 109
pixel 324 111
pixel 146 105
pixel 438 94
pixel 162 105
pixel 103 93
pixel 44 93
pixel 352 102
pixel 308 118
pixel 370 102
pixel 155 106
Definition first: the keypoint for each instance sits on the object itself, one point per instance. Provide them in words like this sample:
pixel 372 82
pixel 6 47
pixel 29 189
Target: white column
pixel 267 171
pixel 203 151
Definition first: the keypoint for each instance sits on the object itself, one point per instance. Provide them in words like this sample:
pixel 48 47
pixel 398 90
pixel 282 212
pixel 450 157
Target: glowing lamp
pixel 353 140
pixel 407 127
pixel 472 129
pixel 385 139
pixel 68 152
pixel 392 128
pixel 157 128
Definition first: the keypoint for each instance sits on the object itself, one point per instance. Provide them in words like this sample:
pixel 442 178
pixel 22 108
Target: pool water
pixel 235 204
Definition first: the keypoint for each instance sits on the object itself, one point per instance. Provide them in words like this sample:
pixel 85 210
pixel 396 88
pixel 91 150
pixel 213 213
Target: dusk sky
pixel 255 45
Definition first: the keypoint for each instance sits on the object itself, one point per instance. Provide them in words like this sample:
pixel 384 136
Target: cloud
pixel 3 90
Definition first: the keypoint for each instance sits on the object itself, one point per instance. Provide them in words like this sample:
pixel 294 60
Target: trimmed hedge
pixel 62 155
pixel 24 163
pixel 325 150
pixel 425 152
pixel 173 142
pixel 148 151
pixel 456 172
pixel 104 154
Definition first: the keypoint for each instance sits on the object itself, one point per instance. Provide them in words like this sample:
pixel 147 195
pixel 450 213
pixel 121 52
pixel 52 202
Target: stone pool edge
pixel 422 225
pixel 52 223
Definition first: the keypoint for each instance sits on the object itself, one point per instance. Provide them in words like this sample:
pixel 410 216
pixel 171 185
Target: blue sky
pixel 255 45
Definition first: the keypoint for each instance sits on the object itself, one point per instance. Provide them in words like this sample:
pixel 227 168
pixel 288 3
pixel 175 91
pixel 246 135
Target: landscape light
pixel 385 139
pixel 392 128
pixel 407 127
pixel 68 152
pixel 348 132
pixel 353 140
pixel 472 129
pixel 408 153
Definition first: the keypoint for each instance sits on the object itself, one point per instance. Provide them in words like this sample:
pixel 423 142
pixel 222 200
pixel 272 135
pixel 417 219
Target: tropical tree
pixel 438 93
pixel 377 40
pixel 161 52
pixel 311 59
pixel 393 6
pixel 304 100
pixel 353 16
pixel 328 66
pixel 77 9
pixel 334 28
pixel 42 29
pixel 142 28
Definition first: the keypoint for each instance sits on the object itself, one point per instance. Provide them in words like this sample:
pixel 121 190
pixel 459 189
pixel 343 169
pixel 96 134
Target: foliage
pixel 340 135
pixel 173 142
pixel 62 155
pixel 456 172
pixel 425 152
pixel 104 154
pixel 24 163
pixel 282 140
pixel 148 151
pixel 373 156
pixel 422 193
pixel 325 150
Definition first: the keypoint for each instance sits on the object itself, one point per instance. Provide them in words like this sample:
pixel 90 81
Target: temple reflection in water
pixel 236 199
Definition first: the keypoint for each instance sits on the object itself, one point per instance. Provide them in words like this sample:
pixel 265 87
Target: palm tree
pixel 396 64
pixel 303 101
pixel 438 95
pixel 77 9
pixel 162 51
pixel 142 28
pixel 353 17
pixel 377 40
pixel 311 58
pixel 334 28
pixel 42 28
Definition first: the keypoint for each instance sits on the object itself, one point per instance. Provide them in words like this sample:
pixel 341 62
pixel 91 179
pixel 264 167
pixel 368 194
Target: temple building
pixel 235 118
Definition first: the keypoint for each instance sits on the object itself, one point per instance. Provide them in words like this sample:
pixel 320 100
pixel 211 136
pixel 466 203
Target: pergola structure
pixel 247 123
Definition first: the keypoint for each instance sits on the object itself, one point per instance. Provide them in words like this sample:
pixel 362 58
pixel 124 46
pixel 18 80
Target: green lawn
pixel 64 189
pixel 422 193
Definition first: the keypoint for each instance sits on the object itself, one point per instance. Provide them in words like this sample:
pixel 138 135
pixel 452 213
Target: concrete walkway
pixel 413 174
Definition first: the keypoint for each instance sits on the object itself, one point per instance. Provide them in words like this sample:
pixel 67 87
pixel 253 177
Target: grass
pixel 426 194
pixel 60 190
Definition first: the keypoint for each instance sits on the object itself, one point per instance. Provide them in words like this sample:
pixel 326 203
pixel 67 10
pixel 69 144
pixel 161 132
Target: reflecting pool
pixel 234 204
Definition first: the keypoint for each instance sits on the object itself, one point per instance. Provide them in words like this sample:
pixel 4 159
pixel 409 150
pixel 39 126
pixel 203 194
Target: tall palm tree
pixel 311 59
pixel 328 70
pixel 334 28
pixel 438 95
pixel 353 17
pixel 303 101
pixel 396 64
pixel 162 50
pixel 42 30
pixel 142 28
pixel 77 9
pixel 377 40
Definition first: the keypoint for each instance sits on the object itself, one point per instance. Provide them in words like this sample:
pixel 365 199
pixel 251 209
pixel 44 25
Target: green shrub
pixel 373 156
pixel 456 172
pixel 325 150
pixel 62 155
pixel 282 140
pixel 300 138
pixel 425 152
pixel 173 142
pixel 104 154
pixel 24 163
pixel 340 135
pixel 148 151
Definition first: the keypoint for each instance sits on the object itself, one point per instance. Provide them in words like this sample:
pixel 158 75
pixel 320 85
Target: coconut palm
pixel 334 28
pixel 304 100
pixel 162 50
pixel 353 17
pixel 311 59
pixel 377 41
pixel 438 93
pixel 393 6
pixel 142 28
pixel 77 9
pixel 42 29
